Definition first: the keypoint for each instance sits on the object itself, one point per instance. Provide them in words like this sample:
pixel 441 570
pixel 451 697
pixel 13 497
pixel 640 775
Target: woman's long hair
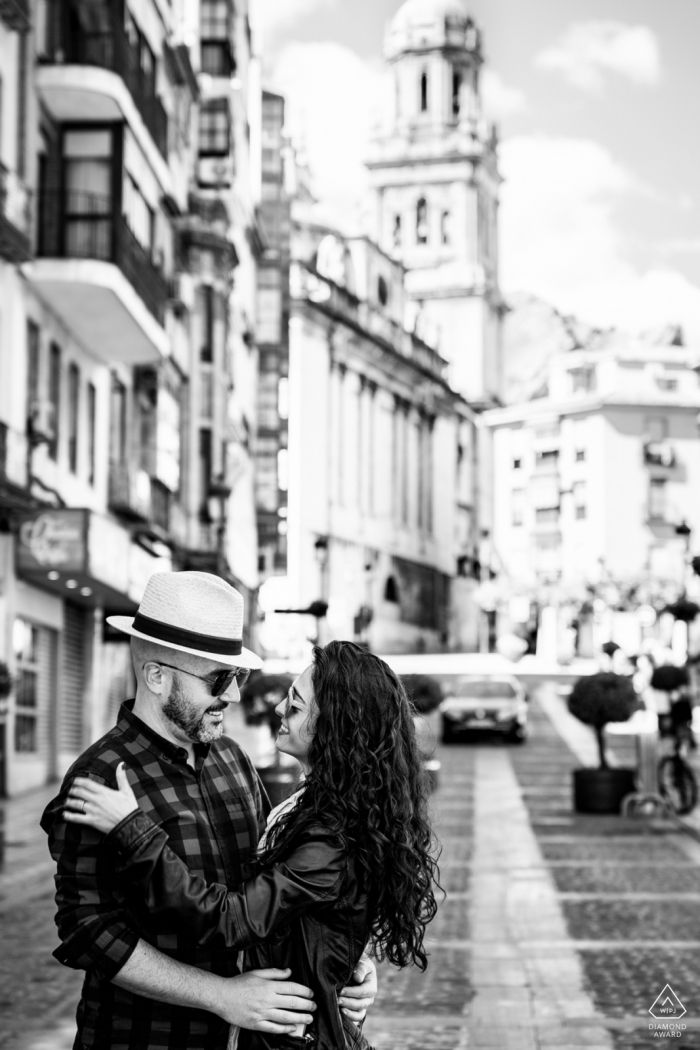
pixel 367 783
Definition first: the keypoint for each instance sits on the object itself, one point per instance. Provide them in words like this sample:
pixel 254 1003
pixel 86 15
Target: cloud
pixel 275 15
pixel 499 99
pixel 333 100
pixel 560 239
pixel 588 50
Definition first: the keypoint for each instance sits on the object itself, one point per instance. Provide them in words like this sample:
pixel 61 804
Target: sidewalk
pixel 570 926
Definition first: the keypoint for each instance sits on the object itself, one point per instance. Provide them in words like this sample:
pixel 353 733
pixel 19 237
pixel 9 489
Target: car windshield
pixel 480 689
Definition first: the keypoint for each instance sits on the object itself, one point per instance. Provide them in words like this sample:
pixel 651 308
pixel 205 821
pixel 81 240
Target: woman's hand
pixel 99 806
pixel 357 999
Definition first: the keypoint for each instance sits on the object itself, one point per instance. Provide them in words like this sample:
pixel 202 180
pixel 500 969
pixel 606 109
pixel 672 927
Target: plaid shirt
pixel 214 815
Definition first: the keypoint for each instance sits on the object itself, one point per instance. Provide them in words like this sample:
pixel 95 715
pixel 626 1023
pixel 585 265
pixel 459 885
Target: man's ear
pixel 153 676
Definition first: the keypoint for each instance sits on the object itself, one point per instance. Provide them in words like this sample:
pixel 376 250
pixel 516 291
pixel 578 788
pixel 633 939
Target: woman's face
pixel 298 714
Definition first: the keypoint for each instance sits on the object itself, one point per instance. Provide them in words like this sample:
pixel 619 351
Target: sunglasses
pixel 219 684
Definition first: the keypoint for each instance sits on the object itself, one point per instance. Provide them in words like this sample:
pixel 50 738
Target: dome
pixel 427 13
pixel 427 24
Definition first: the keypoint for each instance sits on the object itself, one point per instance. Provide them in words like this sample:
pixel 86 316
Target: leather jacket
pixel 308 912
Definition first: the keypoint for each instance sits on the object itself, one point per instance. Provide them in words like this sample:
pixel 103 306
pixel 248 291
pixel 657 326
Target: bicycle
pixel 677 781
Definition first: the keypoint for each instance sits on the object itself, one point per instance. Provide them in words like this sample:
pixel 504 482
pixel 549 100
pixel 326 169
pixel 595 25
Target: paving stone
pixel 613 850
pixel 632 920
pixel 613 878
pixel 444 988
pixel 626 982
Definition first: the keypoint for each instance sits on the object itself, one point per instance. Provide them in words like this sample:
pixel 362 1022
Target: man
pixel 148 986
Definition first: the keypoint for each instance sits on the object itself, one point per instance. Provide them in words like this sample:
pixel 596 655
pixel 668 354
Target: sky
pixel 597 104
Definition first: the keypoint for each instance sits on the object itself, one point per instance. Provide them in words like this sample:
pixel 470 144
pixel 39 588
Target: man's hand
pixel 266 1001
pixel 356 1000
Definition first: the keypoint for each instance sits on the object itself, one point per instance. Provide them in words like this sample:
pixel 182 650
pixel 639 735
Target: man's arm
pixel 97 936
pixel 262 1004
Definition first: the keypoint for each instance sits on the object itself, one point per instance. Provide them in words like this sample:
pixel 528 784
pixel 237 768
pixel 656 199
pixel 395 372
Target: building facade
pixel 593 481
pixel 380 518
pixel 128 248
pixel 435 180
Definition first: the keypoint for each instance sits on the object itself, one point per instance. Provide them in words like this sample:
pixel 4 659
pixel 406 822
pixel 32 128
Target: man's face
pixel 195 716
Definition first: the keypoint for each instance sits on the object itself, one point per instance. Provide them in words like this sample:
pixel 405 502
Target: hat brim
pixel 245 658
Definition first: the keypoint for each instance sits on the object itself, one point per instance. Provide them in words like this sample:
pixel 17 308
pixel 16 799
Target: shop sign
pixel 53 539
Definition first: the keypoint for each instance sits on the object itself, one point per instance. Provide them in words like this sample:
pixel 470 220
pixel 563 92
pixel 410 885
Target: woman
pixel 347 861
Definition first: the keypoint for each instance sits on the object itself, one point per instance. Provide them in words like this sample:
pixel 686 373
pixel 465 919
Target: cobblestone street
pixel 558 930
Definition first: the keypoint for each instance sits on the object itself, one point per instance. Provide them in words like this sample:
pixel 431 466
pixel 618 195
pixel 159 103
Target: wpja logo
pixel 668 1010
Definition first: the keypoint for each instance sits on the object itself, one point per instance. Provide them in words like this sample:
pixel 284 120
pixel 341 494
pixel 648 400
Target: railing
pixel 129 491
pixel 108 47
pixel 78 225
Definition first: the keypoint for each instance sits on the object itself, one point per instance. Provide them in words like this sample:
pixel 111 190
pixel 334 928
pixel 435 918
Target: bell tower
pixel 434 173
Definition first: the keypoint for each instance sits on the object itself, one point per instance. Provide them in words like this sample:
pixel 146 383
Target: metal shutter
pixel 70 721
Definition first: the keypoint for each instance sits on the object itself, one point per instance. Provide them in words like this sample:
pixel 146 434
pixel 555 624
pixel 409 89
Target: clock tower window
pixel 424 92
pixel 422 221
pixel 456 92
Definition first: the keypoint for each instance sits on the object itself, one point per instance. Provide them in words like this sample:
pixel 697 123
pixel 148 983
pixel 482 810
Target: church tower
pixel 435 177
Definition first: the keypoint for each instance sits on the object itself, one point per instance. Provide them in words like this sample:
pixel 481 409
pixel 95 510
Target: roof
pixel 427 12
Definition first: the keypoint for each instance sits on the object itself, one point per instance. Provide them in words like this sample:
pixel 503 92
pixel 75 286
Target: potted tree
pixel 596 700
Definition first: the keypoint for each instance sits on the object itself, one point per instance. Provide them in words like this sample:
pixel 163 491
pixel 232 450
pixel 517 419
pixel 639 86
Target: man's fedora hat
pixel 193 612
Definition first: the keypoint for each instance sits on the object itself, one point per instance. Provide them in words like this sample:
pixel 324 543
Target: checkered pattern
pixel 214 816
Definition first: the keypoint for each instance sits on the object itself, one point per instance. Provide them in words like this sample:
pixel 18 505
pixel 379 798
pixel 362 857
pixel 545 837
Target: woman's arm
pixel 210 913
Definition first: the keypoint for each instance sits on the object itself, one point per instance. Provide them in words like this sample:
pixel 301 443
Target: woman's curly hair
pixel 367 783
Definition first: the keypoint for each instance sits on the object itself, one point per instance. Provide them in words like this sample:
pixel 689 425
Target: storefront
pixel 64 570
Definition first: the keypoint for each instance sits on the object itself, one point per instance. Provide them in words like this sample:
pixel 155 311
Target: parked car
pixel 497 703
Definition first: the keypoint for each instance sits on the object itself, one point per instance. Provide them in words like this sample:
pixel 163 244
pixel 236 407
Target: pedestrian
pixel 347 860
pixel 148 985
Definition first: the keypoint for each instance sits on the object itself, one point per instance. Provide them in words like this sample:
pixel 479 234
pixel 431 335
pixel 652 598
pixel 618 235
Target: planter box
pixel 602 790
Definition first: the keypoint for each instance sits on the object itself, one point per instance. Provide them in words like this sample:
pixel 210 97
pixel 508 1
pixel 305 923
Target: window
pixel 205 472
pixel 117 422
pixel 214 128
pixel 382 291
pixel 583 380
pixel 517 507
pixel 445 228
pixel 456 92
pixel 547 458
pixel 73 416
pixel 424 92
pixel 667 384
pixel 283 469
pixel 269 326
pixel 25 644
pixel 657 499
pixel 206 350
pixel 546 515
pixel 579 493
pixel 140 217
pixel 517 464
pixel 91 411
pixel 87 172
pixel 396 235
pixel 142 51
pixel 422 221
pixel 33 351
pixel 580 455
pixel 55 395
pixel 214 20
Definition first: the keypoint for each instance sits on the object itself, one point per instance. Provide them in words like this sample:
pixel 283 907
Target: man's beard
pixel 187 717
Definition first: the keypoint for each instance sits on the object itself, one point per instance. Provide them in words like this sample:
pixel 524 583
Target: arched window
pixel 456 92
pixel 424 92
pixel 382 291
pixel 422 221
pixel 391 591
pixel 445 227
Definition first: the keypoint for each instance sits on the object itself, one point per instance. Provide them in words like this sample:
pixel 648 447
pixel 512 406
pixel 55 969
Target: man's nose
pixel 232 694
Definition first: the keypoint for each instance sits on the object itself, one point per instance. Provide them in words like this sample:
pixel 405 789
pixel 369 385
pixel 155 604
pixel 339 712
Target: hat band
pixel 166 632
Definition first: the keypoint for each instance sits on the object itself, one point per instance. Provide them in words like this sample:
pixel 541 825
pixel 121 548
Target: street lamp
pixel 220 491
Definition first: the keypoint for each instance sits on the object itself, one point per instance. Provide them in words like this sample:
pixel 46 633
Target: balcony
pixel 14 218
pixel 129 492
pixel 83 42
pixel 99 279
